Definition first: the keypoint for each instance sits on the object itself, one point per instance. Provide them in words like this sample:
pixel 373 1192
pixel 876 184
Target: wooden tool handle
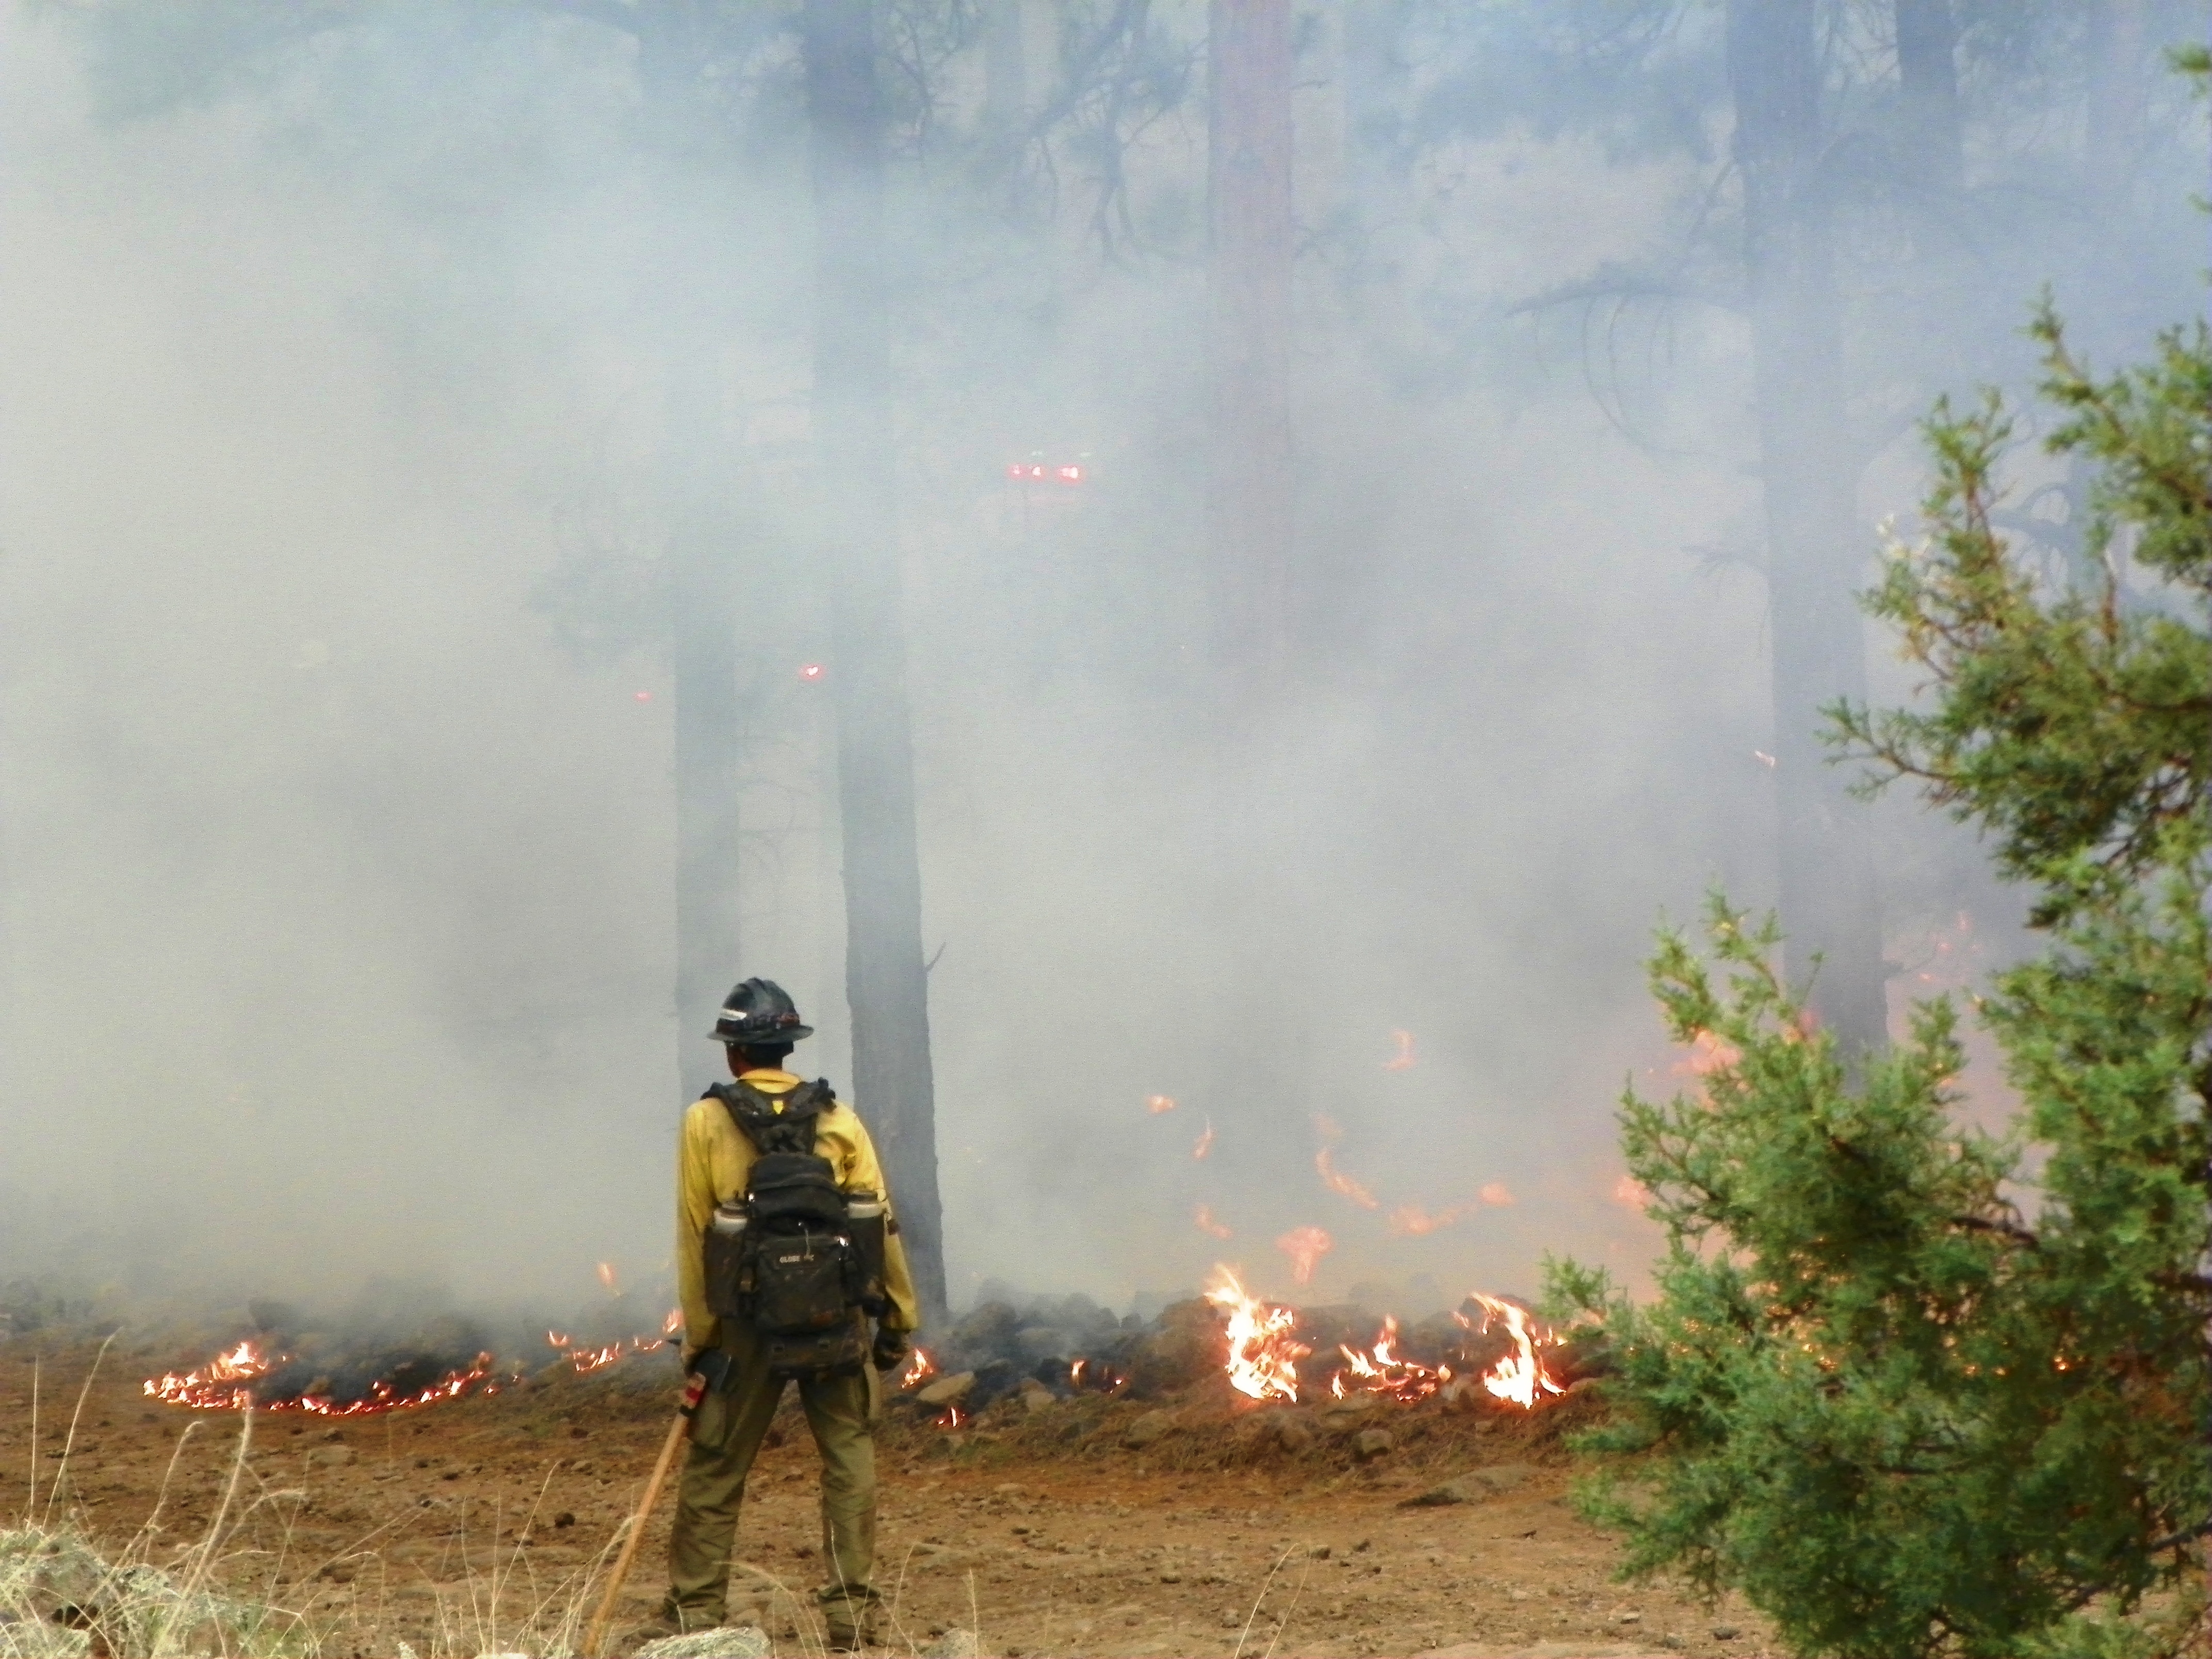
pixel 677 1431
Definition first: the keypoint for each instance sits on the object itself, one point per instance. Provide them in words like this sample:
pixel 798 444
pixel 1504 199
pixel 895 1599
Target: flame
pixel 1206 1223
pixel 1205 1141
pixel 1520 1377
pixel 1380 1370
pixel 1304 1246
pixel 1342 1182
pixel 586 1360
pixel 1262 1359
pixel 1158 1103
pixel 919 1368
pixel 224 1384
pixel 1404 1057
pixel 951 1419
pixel 1709 1053
pixel 674 1324
pixel 607 1277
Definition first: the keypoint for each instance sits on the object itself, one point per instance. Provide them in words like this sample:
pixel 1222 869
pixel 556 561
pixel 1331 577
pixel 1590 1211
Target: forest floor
pixel 480 1526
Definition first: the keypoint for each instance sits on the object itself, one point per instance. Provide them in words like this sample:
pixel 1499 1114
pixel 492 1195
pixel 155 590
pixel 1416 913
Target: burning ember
pixel 1520 1377
pixel 1158 1103
pixel 226 1382
pixel 1304 1246
pixel 1381 1371
pixel 920 1367
pixel 1205 1141
pixel 1263 1360
pixel 1325 1162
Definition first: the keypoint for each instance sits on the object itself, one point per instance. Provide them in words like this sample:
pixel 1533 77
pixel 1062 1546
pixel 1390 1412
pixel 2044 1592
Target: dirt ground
pixel 473 1526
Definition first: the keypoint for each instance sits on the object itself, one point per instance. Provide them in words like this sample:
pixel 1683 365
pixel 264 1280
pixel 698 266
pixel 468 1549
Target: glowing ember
pixel 1205 1141
pixel 607 1277
pixel 1304 1246
pixel 1382 1371
pixel 1158 1103
pixel 1404 1057
pixel 951 1419
pixel 1709 1053
pixel 674 1324
pixel 1263 1356
pixel 1208 1224
pixel 645 697
pixel 1413 1218
pixel 1520 1377
pixel 1341 1183
pixel 225 1384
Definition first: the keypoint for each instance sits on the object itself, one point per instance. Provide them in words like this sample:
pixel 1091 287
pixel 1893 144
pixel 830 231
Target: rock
pixel 1036 1397
pixel 33 1640
pixel 1632 1617
pixel 955 1643
pixel 1724 1633
pixel 1370 1444
pixel 1187 1346
pixel 987 1332
pixel 330 1456
pixel 64 1581
pixel 1037 1342
pixel 1290 1434
pixel 946 1390
pixel 1147 1429
pixel 723 1642
pixel 1470 1488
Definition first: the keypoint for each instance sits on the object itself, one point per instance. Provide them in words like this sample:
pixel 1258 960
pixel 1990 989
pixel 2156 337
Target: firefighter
pixel 715 1167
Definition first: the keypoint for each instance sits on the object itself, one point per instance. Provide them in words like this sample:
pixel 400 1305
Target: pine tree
pixel 1914 1388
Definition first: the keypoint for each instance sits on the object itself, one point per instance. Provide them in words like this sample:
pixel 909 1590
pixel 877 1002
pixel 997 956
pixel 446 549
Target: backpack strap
pixel 775 1123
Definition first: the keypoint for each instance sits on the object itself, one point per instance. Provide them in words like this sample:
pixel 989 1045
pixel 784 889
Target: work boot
pixel 670 1620
pixel 848 1618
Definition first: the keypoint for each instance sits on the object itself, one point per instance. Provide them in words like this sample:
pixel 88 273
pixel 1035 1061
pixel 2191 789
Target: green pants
pixel 725 1437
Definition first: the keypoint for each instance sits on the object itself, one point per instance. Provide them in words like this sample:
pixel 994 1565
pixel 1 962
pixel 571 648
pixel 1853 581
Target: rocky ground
pixel 1189 1524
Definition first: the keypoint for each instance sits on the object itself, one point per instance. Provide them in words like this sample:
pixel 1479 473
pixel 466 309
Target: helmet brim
pixel 774 1039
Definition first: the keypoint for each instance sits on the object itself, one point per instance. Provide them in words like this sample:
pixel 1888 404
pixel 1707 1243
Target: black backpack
pixel 794 1257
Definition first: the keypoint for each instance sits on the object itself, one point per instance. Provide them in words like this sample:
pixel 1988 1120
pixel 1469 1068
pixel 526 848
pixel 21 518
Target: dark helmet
pixel 759 1012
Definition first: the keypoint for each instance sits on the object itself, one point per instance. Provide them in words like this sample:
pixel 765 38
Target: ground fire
pixel 253 1375
pixel 1263 1352
pixel 227 1384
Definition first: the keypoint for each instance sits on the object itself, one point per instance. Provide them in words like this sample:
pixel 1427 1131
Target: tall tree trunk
pixel 1928 92
pixel 702 549
pixel 1830 907
pixel 886 983
pixel 702 595
pixel 1249 195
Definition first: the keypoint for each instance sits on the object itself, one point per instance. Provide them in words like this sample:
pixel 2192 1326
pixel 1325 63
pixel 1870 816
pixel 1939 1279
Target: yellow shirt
pixel 713 1162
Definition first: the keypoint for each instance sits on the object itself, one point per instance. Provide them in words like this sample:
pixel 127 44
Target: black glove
pixel 891 1349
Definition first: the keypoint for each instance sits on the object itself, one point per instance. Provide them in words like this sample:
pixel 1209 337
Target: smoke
pixel 336 823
